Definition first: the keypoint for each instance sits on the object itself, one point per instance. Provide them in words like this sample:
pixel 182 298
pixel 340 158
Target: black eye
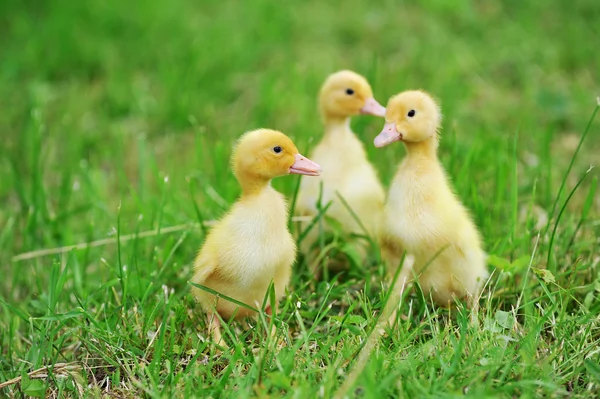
pixel 411 113
pixel 349 92
pixel 277 149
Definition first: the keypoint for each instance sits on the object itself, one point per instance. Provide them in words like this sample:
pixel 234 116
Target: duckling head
pixel 346 93
pixel 412 117
pixel 264 154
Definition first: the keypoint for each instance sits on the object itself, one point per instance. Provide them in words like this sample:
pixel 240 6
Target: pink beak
pixel 388 135
pixel 372 107
pixel 304 166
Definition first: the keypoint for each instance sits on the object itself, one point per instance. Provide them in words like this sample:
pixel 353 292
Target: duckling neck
pixel 336 125
pixel 423 149
pixel 252 185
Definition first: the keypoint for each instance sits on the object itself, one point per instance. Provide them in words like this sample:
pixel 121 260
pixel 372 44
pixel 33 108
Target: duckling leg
pixel 273 333
pixel 214 329
pixel 473 305
pixel 269 311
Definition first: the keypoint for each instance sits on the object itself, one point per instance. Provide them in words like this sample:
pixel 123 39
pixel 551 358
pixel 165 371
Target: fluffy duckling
pixel 251 246
pixel 346 168
pixel 422 216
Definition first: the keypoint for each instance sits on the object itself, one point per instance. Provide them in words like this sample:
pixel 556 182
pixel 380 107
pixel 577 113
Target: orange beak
pixel 388 135
pixel 372 107
pixel 304 166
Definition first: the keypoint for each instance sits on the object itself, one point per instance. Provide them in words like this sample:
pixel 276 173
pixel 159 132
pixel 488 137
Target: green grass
pixel 118 118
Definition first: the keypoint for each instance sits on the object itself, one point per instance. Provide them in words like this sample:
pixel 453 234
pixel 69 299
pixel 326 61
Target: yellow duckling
pixel 251 246
pixel 422 216
pixel 346 168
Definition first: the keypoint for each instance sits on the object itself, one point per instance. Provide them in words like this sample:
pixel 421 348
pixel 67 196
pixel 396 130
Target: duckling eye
pixel 277 149
pixel 411 113
pixel 349 92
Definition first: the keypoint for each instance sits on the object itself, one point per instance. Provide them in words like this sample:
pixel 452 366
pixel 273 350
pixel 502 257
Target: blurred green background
pixel 120 116
pixel 111 97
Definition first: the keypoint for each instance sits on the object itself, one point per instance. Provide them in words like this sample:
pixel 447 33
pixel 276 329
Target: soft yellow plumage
pixel 422 215
pixel 251 246
pixel 346 168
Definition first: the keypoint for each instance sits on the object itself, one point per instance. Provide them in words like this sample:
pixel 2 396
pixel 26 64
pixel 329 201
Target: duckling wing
pixel 204 266
pixel 208 261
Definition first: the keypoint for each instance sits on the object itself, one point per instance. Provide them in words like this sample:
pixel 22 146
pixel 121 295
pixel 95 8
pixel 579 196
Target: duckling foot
pixel 473 305
pixel 214 330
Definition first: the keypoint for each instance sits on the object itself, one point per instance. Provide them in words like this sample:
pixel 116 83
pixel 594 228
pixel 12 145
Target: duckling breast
pixel 260 242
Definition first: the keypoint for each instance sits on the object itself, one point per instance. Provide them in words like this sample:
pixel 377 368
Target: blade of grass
pixel 560 213
pixel 566 175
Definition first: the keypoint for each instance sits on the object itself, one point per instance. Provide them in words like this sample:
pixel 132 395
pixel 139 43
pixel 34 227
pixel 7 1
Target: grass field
pixel 117 118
